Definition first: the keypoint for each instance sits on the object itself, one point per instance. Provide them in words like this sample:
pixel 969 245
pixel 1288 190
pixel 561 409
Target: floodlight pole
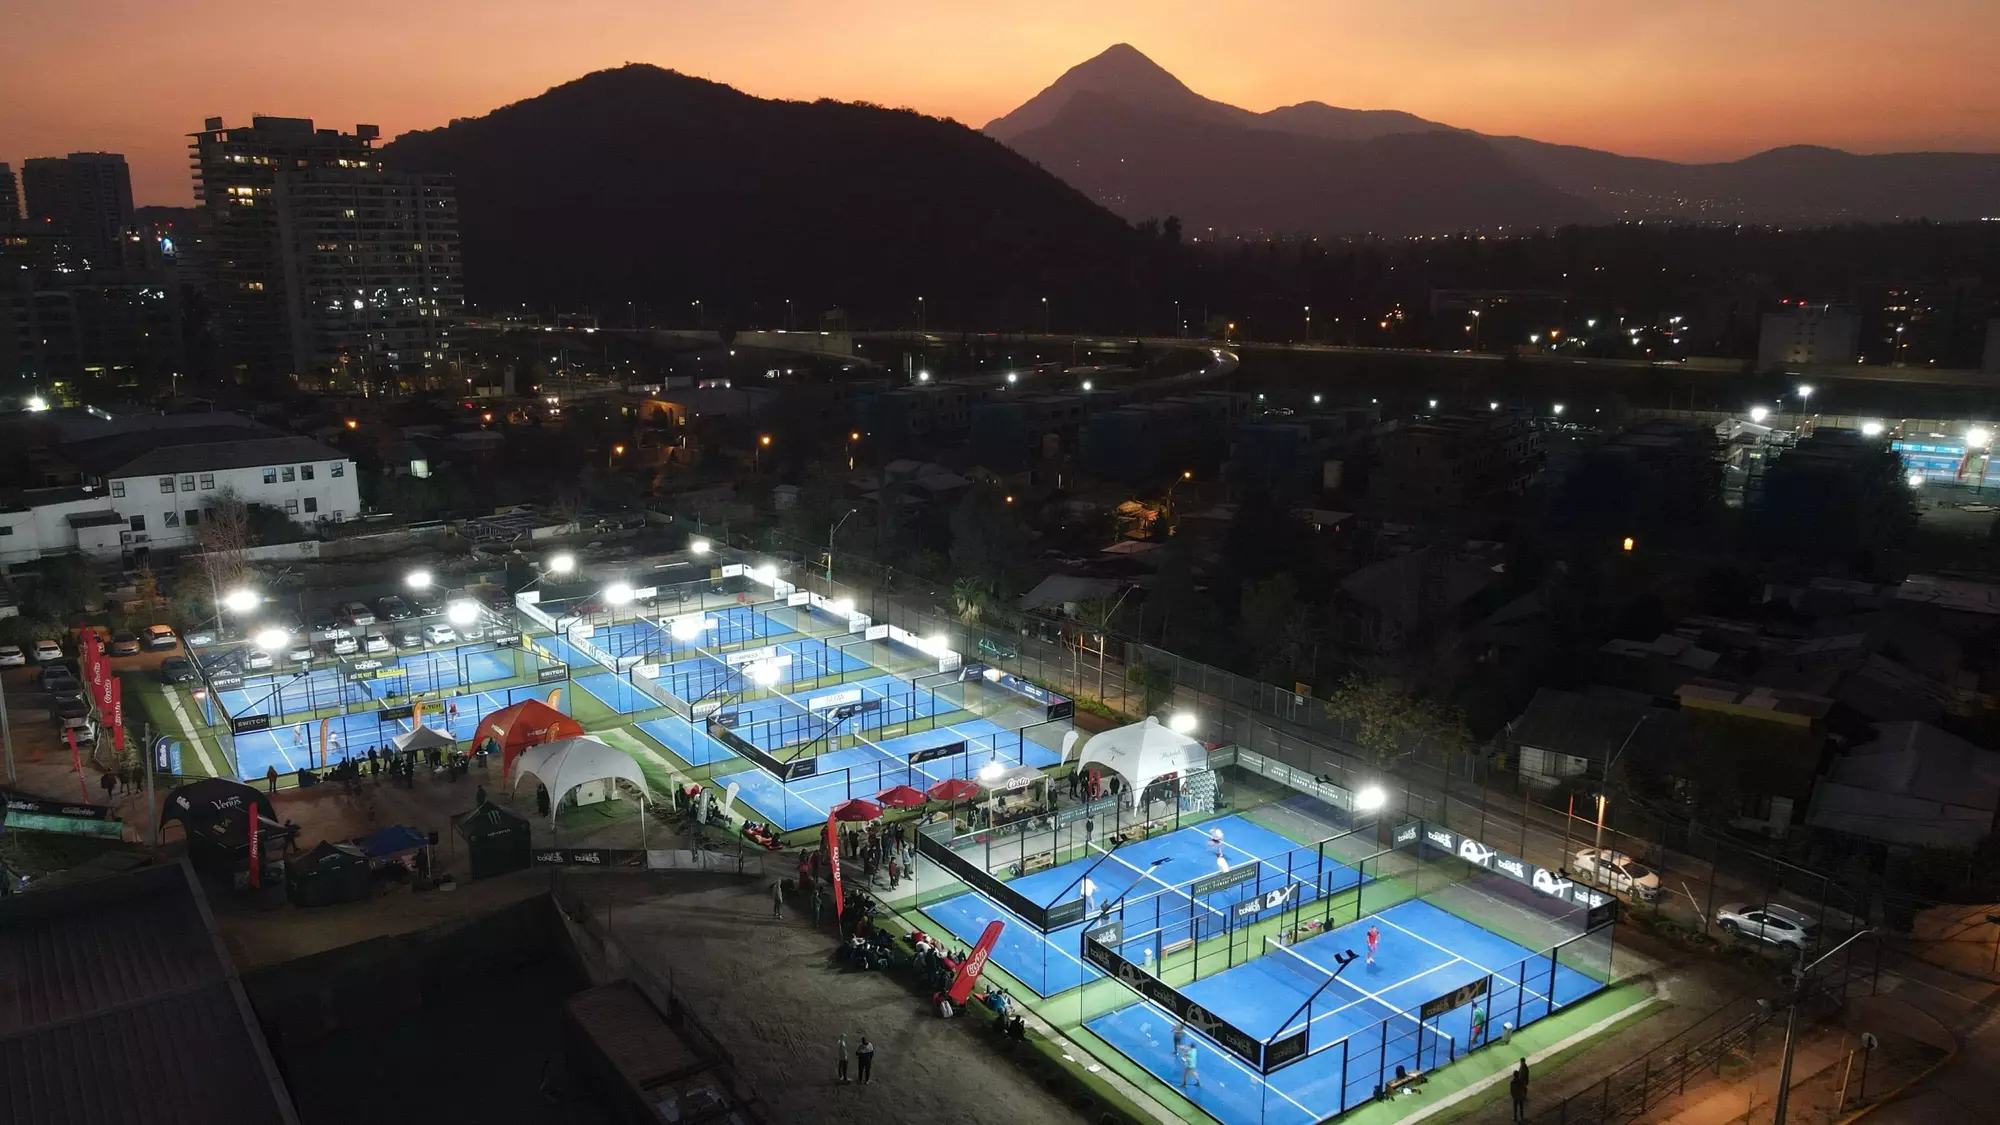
pixel 1792 1020
pixel 829 548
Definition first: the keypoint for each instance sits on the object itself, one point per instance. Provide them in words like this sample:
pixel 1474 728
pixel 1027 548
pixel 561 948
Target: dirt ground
pixel 767 989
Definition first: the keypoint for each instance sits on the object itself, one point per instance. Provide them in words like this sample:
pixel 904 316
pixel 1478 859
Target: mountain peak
pixel 1121 72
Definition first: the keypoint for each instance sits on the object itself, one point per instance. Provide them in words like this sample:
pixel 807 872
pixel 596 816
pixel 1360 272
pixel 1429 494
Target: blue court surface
pixel 732 627
pixel 296 746
pixel 1151 877
pixel 1425 953
pixel 329 686
pixel 614 692
pixel 688 741
pixel 796 720
pixel 290 693
pixel 864 771
pixel 708 674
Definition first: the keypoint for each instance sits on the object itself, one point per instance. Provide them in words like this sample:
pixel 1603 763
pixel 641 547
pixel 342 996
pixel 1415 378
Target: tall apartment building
pixel 10 199
pixel 1805 335
pixel 85 197
pixel 319 261
pixel 1455 461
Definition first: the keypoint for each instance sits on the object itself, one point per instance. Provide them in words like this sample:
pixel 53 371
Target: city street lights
pixel 462 612
pixel 1475 330
pixel 1799 975
pixel 757 452
pixel 697 315
pixel 271 639
pixel 1805 393
pixel 1370 798
pixel 618 593
pixel 1309 324
pixel 920 314
pixel 1045 316
pixel 564 563
pixel 240 600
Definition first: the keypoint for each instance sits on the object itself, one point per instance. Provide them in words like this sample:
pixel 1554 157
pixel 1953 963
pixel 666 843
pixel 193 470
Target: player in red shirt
pixel 1374 939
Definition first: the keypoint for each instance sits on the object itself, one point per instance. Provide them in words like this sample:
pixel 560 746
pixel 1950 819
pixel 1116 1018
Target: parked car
pixel 86 730
pixel 376 642
pixel 256 659
pixel 11 656
pixel 473 632
pixel 50 672
pixel 301 652
pixel 440 634
pixel 1616 871
pixel 426 604
pixel 47 652
pixel 345 645
pixel 997 649
pixel 176 670
pixel 124 643
pixel 1772 922
pixel 321 624
pixel 409 637
pixel 357 613
pixel 159 637
pixel 75 708
pixel 64 687
pixel 393 608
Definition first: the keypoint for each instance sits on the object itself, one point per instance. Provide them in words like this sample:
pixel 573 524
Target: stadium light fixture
pixel 618 593
pixel 37 404
pixel 992 769
pixel 842 608
pixel 1370 798
pixel 698 546
pixel 1183 722
pixel 272 639
pixel 1871 429
pixel 1916 480
pixel 1759 413
pixel 689 627
pixel 418 579
pixel 564 563
pixel 1978 437
pixel 462 612
pixel 764 673
pixel 241 600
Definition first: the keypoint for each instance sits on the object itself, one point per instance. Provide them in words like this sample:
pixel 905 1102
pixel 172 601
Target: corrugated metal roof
pixel 116 1004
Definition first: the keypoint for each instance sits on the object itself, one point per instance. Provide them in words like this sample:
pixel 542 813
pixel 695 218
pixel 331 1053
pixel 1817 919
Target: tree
pixel 65 588
pixel 1277 631
pixel 970 597
pixel 226 534
pixel 1154 681
pixel 1170 232
pixel 1390 723
pixel 986 535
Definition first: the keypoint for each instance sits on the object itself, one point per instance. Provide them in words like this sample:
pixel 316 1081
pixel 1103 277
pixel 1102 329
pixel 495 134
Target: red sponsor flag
pixel 832 840
pixel 76 764
pixel 968 973
pixel 256 851
pixel 118 714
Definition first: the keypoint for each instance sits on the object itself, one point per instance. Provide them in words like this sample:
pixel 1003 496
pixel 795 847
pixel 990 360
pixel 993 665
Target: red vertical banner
pixel 256 850
pixel 968 973
pixel 832 845
pixel 118 714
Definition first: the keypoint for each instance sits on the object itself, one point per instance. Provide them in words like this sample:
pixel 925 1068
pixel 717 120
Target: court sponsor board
pixel 1545 882
pixel 395 714
pixel 1236 877
pixel 1065 914
pixel 249 724
pixel 718 728
pixel 1232 1038
pixel 547 675
pixel 589 857
pixel 932 753
pixel 1457 998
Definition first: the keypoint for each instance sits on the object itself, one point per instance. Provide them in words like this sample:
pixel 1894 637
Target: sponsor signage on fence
pixel 225 683
pixel 1602 914
pixel 749 656
pixel 509 641
pixel 1452 1001
pixel 249 724
pixel 15 803
pixel 395 714
pixel 1233 1039
pixel 1551 883
pixel 932 753
pixel 982 880
pixel 1065 914
pixel 1111 933
pixel 590 857
pixel 1283 1052
pixel 559 672
pixel 848 710
pixel 163 754
pixel 718 728
pixel 833 699
pixel 876 633
pixel 1269 900
pixel 1247 873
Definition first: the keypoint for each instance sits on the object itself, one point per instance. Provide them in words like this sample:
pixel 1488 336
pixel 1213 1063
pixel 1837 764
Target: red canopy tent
pixel 953 789
pixel 856 809
pixel 527 723
pixel 901 797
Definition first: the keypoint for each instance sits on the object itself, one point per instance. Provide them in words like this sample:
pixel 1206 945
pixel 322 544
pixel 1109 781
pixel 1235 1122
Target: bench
pixel 1397 1085
pixel 1037 862
pixel 1171 949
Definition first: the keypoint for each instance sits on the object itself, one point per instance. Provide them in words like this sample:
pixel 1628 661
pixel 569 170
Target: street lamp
pixel 1978 437
pixel 1805 392
pixel 829 548
pixel 1370 798
pixel 564 563
pixel 240 600
pixel 271 639
pixel 418 579
pixel 1759 413
pixel 462 612
pixel 618 593
pixel 1045 316
pixel 698 546
pixel 757 453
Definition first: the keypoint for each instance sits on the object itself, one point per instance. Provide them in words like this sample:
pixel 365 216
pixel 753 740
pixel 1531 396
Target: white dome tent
pixel 570 763
pixel 424 738
pixel 1142 753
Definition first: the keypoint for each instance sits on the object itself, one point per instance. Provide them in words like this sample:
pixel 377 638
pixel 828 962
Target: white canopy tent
pixel 1142 753
pixel 567 763
pixel 424 738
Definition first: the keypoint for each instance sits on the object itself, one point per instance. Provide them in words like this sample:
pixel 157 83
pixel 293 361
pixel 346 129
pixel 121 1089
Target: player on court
pixel 1088 888
pixel 1374 939
pixel 1215 839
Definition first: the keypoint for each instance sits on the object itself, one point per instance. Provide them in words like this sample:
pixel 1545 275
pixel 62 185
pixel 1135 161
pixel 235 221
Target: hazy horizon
pixel 1709 80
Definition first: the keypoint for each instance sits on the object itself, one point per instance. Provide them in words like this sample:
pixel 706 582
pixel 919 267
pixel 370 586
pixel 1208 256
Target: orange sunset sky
pixel 1692 80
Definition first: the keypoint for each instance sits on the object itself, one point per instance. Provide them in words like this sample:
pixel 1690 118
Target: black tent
pixel 328 874
pixel 496 839
pixel 199 802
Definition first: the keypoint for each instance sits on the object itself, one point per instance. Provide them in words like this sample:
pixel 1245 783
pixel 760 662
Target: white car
pixel 47 652
pixel 257 660
pixel 376 642
pixel 1616 871
pixel 440 635
pixel 300 653
pixel 1772 922
pixel 345 645
pixel 11 656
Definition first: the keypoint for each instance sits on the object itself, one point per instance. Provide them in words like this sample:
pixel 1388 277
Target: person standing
pixel 1188 1071
pixel 1517 1088
pixel 1374 939
pixel 271 777
pixel 1478 1024
pixel 479 795
pixel 864 1058
pixel 840 1072
pixel 1180 1035
pixel 108 781
pixel 778 899
pixel 895 871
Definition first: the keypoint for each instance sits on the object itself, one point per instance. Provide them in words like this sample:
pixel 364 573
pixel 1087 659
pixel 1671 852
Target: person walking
pixel 864 1058
pixel 818 899
pixel 1517 1088
pixel 1180 1037
pixel 1478 1024
pixel 1188 1071
pixel 895 871
pixel 479 795
pixel 840 1072
pixel 778 899
pixel 109 781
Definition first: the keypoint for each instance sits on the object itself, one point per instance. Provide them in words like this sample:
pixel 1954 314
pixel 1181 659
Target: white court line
pixel 1489 972
pixel 1221 1052
pixel 1366 995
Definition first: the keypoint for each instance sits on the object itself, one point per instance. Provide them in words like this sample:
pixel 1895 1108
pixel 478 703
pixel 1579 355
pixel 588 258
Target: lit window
pixel 270 476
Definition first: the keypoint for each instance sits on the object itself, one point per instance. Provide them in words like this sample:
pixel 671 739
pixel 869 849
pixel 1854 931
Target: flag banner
pixel 832 843
pixel 968 973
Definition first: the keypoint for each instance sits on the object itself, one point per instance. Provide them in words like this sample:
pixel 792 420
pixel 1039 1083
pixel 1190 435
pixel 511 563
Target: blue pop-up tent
pixel 390 841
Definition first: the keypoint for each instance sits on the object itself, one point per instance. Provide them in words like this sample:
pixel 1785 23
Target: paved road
pixel 1963 1089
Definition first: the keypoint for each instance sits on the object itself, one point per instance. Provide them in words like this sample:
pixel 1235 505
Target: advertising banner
pixel 831 841
pixel 1232 1038
pixel 118 714
pixel 968 973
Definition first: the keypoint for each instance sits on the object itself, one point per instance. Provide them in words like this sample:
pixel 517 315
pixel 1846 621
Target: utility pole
pixel 830 532
pixel 1792 1020
pixel 6 734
